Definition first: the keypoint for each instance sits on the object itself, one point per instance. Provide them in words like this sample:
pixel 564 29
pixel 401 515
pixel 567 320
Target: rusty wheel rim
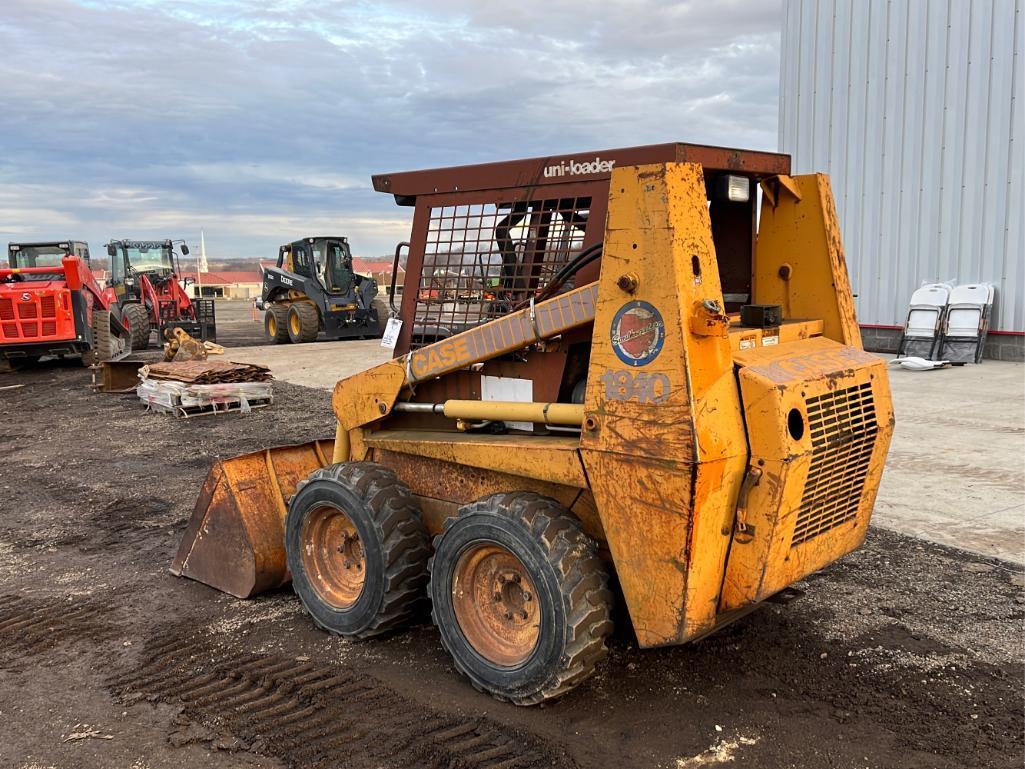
pixel 332 556
pixel 294 323
pixel 496 605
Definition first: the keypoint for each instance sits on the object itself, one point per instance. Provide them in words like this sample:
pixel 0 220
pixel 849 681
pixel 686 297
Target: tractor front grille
pixel 481 260
pixel 843 430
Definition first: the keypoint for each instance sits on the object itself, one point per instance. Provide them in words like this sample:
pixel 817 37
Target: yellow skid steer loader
pixel 649 402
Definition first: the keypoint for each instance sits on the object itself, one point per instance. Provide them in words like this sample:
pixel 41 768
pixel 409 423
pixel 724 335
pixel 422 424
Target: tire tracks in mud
pixel 31 627
pixel 135 527
pixel 315 715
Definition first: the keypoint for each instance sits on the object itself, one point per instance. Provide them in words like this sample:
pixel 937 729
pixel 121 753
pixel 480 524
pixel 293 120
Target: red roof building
pixel 228 284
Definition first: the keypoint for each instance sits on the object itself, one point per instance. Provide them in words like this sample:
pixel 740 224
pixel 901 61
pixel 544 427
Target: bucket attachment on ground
pixel 235 538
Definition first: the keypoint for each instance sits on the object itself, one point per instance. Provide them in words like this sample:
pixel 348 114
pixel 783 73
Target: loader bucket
pixel 235 540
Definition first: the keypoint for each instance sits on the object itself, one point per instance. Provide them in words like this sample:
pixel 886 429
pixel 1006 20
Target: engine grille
pixel 28 319
pixel 843 430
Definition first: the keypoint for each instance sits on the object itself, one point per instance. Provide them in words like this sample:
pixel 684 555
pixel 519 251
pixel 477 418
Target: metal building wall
pixel 914 107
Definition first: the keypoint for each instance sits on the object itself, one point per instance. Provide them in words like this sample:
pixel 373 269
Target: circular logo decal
pixel 638 333
pixel 26 297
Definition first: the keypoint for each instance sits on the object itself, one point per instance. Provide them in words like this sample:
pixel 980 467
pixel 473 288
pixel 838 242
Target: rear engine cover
pixel 819 421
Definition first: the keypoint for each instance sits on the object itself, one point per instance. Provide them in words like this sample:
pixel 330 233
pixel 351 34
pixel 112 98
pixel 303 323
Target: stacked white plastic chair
pixel 966 323
pixel 926 314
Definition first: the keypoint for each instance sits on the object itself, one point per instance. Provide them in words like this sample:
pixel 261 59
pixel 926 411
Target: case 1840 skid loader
pixel 688 424
pixel 313 287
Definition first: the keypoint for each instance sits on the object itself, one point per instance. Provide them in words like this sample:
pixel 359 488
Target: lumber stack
pixel 206 372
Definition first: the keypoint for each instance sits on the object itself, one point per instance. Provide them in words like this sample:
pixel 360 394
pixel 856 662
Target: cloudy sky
pixel 260 121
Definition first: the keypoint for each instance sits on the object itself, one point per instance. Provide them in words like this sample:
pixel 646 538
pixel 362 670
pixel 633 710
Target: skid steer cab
pixel 50 304
pixel 658 397
pixel 146 278
pixel 313 288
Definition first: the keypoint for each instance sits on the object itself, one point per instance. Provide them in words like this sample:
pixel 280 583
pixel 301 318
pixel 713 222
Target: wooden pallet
pixel 189 412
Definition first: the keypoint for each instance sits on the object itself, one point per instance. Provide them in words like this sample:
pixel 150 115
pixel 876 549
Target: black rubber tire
pixel 275 323
pixel 21 362
pixel 104 341
pixel 308 321
pixel 395 546
pixel 137 318
pixel 570 580
pixel 375 329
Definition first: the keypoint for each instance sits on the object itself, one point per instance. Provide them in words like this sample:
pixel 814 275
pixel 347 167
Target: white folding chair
pixel 921 334
pixel 967 322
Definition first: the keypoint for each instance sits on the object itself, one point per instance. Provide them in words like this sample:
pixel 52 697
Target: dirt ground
pixel 905 654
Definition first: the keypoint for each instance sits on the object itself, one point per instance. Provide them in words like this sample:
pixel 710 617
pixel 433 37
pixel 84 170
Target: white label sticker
pixel 391 333
pixel 497 388
pixel 768 340
pixel 747 344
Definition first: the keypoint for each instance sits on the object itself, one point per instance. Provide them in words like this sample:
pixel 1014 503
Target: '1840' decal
pixel 640 386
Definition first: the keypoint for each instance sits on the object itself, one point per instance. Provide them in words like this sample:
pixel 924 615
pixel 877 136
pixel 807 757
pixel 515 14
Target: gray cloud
pixel 261 122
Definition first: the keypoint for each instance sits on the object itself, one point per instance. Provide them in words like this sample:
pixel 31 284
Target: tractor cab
pixel 22 256
pixel 326 260
pixel 131 258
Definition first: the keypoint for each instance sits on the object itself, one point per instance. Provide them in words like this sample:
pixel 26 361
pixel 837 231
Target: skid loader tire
pixel 376 330
pixel 303 323
pixel 137 319
pixel 275 323
pixel 393 544
pixel 570 605
pixel 104 342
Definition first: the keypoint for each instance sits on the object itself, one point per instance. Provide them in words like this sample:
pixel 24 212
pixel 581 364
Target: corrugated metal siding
pixel 914 107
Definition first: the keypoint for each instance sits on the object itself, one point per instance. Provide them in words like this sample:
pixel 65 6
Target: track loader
pixel 50 304
pixel 649 403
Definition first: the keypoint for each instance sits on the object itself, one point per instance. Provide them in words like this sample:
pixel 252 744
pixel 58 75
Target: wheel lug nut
pixel 527 597
pixel 523 613
pixel 508 615
pixel 501 579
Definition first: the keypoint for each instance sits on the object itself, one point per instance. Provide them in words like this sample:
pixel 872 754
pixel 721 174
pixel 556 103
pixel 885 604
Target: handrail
pixel 394 277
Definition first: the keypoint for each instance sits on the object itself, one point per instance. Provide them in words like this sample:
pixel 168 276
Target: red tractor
pixel 50 304
pixel 144 275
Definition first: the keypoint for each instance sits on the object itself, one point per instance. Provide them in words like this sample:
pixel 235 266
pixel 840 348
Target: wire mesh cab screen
pixel 482 259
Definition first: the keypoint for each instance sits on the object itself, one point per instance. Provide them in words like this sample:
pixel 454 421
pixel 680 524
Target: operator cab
pixel 326 260
pixel 153 258
pixel 50 254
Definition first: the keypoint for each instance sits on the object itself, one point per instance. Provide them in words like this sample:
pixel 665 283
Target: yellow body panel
pixel 820 463
pixel 664 439
pixel 548 458
pixel 799 261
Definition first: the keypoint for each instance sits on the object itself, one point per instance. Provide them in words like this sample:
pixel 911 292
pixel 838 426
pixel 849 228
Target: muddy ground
pixel 904 655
